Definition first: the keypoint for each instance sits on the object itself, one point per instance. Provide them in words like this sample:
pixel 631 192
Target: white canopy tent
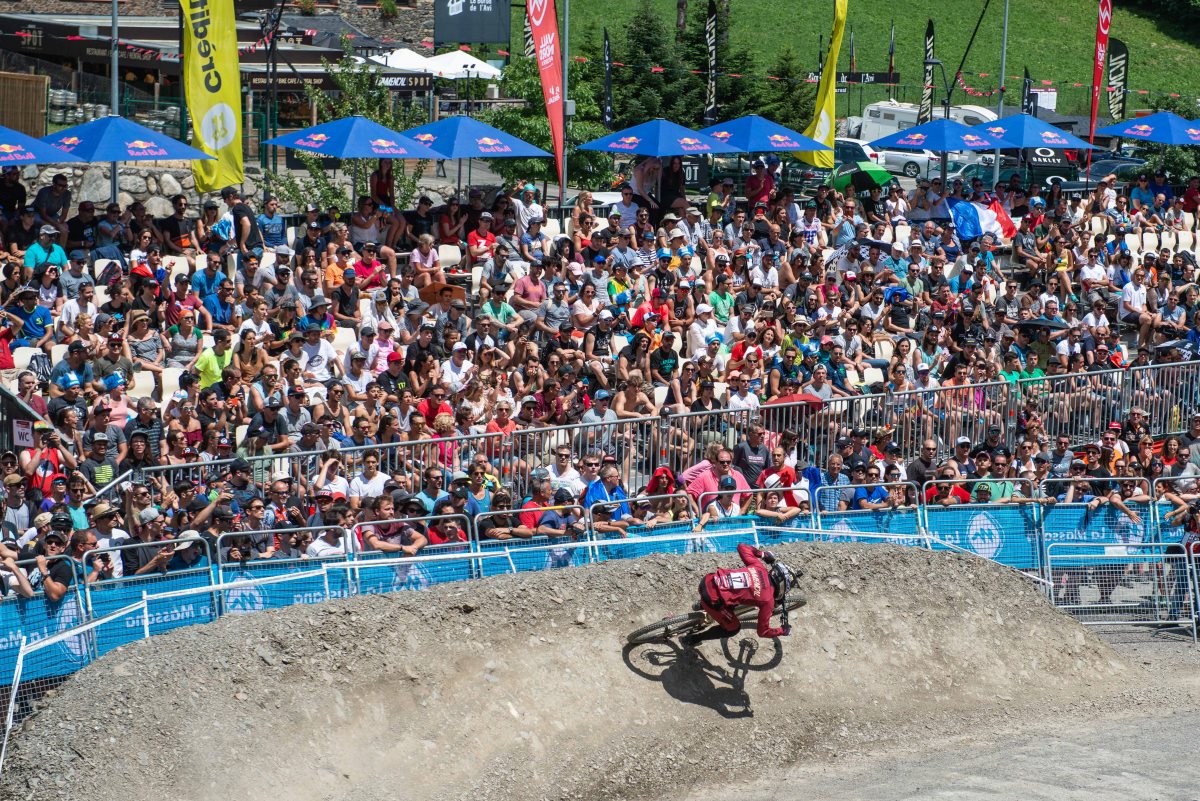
pixel 459 64
pixel 404 59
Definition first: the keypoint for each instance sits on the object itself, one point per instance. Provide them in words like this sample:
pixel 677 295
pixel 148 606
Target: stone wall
pixel 153 186
pixel 412 23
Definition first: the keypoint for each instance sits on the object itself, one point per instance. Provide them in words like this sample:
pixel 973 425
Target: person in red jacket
pixel 759 583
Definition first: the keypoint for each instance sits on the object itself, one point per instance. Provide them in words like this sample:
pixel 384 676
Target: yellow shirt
pixel 210 366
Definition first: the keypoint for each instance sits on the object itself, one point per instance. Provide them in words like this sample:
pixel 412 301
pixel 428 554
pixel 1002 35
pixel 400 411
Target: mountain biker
pixel 756 584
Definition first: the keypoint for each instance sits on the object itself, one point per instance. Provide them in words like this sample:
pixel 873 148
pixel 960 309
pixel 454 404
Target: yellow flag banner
pixel 212 84
pixel 823 127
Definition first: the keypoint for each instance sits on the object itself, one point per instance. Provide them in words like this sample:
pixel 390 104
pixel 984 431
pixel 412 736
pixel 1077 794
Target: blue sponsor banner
pixel 847 526
pixel 1006 533
pixel 36 619
pixel 105 597
pixel 1104 530
pixel 1164 531
pixel 535 553
pixel 368 579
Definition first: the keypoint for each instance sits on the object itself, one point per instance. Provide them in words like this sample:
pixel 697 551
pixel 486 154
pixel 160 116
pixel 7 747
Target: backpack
pixel 41 366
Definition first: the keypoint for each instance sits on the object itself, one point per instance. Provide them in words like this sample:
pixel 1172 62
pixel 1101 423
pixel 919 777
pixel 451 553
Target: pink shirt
pixel 381 362
pixel 706 485
pixel 530 289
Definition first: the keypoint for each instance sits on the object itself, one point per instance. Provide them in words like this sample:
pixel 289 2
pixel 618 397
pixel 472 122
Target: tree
pixel 655 83
pixel 739 88
pixel 790 99
pixel 527 120
pixel 360 90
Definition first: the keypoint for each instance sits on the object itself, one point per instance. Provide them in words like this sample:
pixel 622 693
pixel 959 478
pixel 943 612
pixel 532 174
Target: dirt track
pixel 520 688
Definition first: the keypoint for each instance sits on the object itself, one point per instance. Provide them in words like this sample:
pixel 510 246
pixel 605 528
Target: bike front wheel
pixel 668 628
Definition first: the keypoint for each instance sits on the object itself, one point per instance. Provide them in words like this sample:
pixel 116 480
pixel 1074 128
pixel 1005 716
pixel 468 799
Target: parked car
pixel 1126 171
pixel 918 163
pixel 601 203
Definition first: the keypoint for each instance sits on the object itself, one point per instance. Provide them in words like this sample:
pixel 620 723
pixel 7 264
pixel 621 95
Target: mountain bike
pixel 698 620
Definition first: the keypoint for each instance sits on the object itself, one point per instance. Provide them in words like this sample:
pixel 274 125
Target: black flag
pixel 1029 104
pixel 1118 77
pixel 528 38
pixel 609 116
pixel 926 112
pixel 892 50
pixel 710 39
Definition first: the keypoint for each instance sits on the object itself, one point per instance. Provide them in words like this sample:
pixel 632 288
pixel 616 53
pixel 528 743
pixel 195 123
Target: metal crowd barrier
pixel 1106 585
pixel 1079 406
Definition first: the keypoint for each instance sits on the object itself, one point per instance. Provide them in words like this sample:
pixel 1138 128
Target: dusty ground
pixel 520 688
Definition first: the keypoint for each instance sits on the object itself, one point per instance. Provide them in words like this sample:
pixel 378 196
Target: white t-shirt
pixel 1092 272
pixel 337 484
pixel 372 355
pixel 739 403
pixel 454 376
pixel 316 359
pixel 359 385
pixel 260 330
pixel 699 332
pixel 361 487
pixel 568 479
pixel 768 279
pixel 321 547
pixel 1132 294
pixel 71 311
pixel 628 213
pixel 1093 321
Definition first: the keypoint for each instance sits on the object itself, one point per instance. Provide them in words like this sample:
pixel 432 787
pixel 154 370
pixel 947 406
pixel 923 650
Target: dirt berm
pixel 520 687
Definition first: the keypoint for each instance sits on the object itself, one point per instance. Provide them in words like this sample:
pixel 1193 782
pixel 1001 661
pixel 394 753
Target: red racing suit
pixel 723 591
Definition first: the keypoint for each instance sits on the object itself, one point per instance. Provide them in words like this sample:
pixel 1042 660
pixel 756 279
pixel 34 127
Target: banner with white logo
pixel 543 20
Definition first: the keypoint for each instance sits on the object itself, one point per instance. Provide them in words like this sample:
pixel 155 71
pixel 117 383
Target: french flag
pixel 973 220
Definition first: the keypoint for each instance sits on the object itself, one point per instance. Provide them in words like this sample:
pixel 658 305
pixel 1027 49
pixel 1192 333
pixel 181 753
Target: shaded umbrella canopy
pixel 861 175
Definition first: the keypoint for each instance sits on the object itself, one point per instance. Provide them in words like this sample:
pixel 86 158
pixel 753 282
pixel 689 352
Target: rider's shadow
pixel 688 676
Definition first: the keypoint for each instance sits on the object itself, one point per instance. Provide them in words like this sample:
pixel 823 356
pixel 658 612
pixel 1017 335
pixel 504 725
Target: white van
pixel 887 117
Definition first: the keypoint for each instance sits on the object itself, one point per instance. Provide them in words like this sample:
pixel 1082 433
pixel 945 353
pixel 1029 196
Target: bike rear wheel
pixel 750 614
pixel 667 628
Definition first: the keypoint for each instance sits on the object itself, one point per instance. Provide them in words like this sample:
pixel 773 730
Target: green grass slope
pixel 1055 40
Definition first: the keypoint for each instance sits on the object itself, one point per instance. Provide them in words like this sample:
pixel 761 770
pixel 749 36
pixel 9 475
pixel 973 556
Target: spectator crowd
pixel 233 385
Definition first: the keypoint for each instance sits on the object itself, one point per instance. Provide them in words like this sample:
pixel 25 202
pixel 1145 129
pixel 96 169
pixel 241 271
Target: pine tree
pixel 736 96
pixel 639 92
pixel 789 100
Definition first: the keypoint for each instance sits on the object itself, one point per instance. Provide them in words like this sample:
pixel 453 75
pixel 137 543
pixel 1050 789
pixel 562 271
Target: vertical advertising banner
pixel 822 127
pixel 1103 23
pixel 471 21
pixel 1029 104
pixel 710 41
pixel 212 85
pixel 926 112
pixel 543 21
pixel 1118 78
